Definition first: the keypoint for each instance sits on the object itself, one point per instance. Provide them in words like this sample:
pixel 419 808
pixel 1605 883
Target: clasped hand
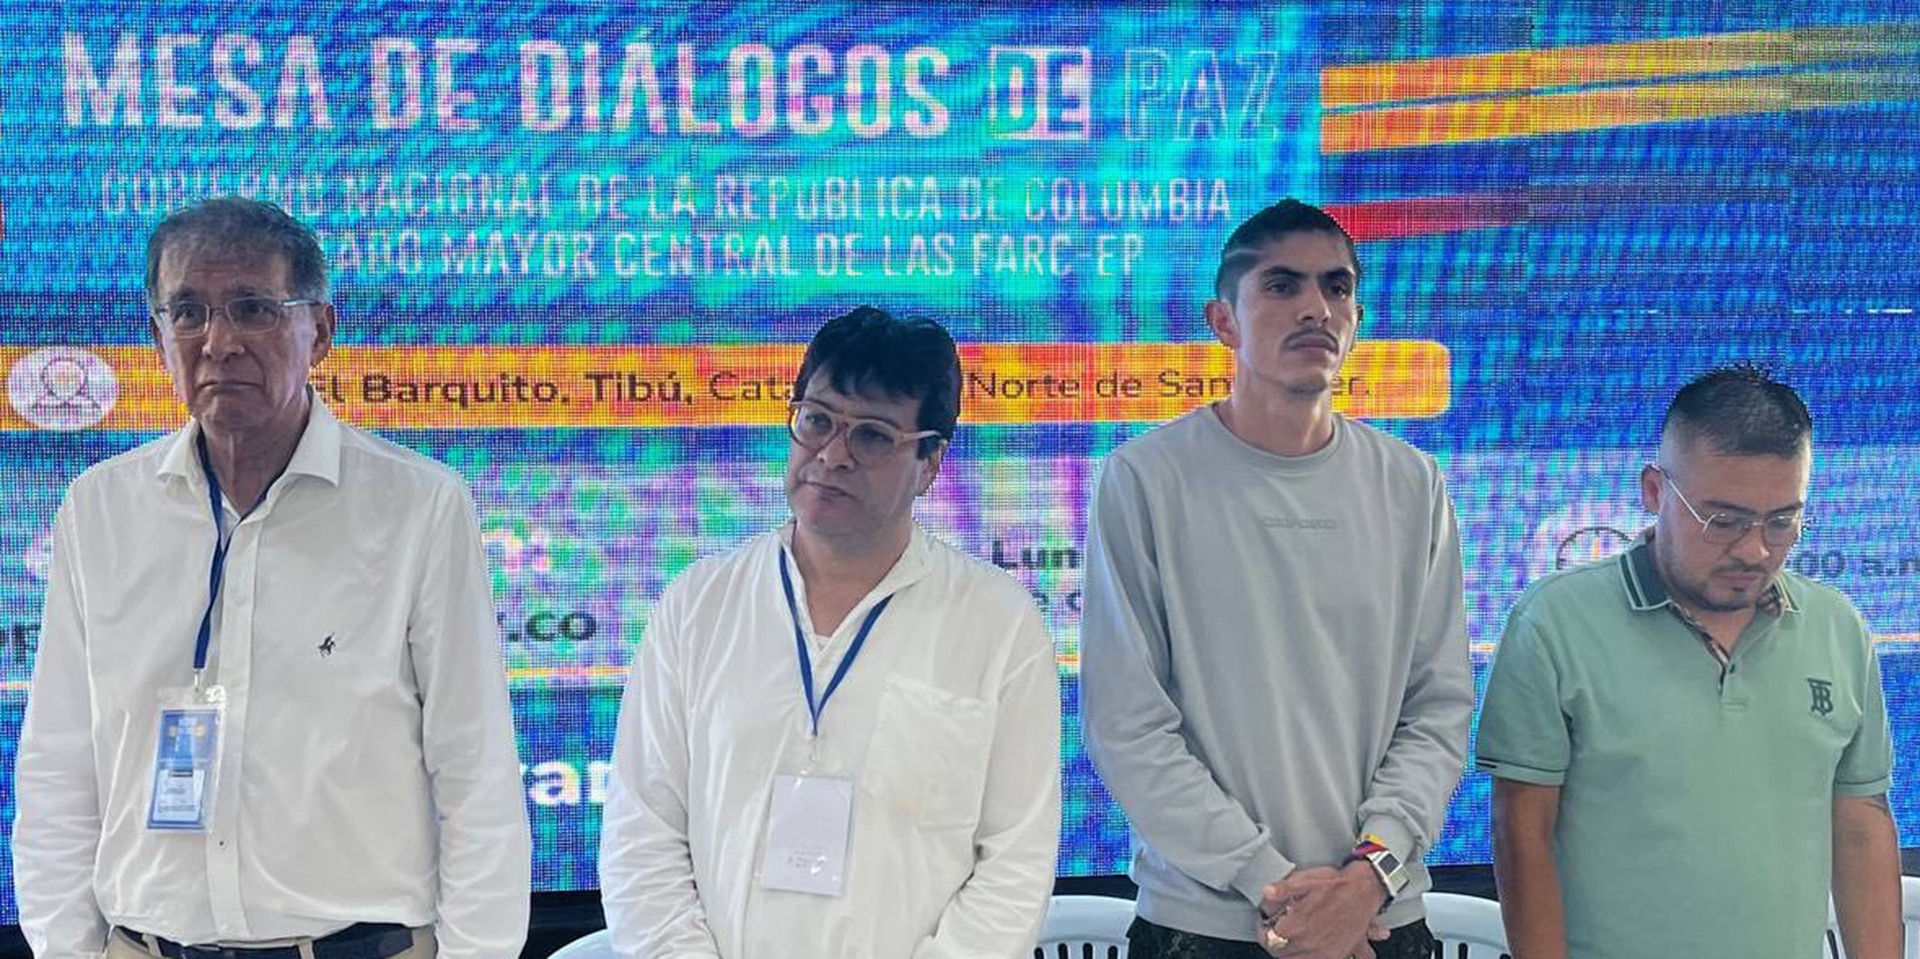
pixel 1322 912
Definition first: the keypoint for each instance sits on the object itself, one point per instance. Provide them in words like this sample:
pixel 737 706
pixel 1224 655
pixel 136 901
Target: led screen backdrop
pixel 577 248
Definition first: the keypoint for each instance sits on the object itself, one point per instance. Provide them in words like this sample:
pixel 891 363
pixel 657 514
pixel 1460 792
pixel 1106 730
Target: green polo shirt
pixel 1695 795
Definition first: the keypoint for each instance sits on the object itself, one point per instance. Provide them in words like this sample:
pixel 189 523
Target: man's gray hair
pixel 237 225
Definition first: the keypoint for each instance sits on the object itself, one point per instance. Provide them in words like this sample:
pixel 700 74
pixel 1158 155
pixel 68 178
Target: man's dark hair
pixel 236 225
pixel 869 351
pixel 1740 410
pixel 1287 216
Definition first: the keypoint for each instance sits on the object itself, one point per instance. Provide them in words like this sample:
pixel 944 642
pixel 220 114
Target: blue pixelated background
pixel 1585 205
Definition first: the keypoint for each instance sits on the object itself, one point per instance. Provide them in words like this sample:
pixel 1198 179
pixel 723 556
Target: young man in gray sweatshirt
pixel 1275 683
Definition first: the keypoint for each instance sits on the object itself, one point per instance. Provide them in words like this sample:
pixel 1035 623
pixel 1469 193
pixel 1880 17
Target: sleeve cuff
pixel 1521 774
pixel 1859 790
pixel 1267 865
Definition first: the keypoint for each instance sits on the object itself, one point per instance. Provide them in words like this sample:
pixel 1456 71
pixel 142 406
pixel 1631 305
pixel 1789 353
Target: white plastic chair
pixel 1910 912
pixel 1468 927
pixel 593 945
pixel 1085 927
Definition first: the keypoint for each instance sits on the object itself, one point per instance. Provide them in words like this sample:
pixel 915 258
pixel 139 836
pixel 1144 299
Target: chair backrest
pixel 1910 912
pixel 1832 941
pixel 593 945
pixel 1468 927
pixel 1085 927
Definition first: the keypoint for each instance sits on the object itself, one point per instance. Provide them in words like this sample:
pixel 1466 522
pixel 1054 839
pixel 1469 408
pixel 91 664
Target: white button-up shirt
pixel 368 771
pixel 948 722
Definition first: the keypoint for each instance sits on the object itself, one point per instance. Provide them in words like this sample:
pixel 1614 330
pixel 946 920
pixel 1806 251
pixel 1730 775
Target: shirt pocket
pixel 927 760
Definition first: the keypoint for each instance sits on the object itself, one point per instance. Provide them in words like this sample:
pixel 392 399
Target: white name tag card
pixel 808 824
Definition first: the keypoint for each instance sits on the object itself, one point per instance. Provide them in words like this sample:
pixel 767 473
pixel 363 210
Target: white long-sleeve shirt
pixel 368 767
pixel 948 722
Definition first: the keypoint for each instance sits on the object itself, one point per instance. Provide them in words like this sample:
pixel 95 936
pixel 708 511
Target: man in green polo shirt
pixel 1688 740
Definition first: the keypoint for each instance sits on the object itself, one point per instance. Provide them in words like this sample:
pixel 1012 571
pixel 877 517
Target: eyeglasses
pixel 1724 529
pixel 868 441
pixel 250 315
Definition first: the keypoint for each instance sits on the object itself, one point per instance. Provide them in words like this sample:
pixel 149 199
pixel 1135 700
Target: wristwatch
pixel 1387 866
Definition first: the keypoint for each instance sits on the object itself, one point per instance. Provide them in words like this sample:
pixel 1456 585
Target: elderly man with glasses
pixel 841 739
pixel 268 718
pixel 1688 742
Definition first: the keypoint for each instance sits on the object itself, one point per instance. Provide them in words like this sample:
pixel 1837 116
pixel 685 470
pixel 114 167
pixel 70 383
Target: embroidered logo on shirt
pixel 326 645
pixel 1822 690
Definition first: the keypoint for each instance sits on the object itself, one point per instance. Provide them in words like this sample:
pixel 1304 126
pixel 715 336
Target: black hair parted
pixel 868 350
pixel 1242 249
pixel 238 225
pixel 1741 410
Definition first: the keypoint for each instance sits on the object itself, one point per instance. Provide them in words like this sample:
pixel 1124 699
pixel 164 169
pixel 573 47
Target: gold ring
pixel 1275 940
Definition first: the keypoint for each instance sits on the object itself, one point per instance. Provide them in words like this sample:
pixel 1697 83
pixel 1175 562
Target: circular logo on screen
pixel 62 388
pixel 1590 544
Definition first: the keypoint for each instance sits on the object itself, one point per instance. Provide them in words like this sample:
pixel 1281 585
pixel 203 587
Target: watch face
pixel 1390 872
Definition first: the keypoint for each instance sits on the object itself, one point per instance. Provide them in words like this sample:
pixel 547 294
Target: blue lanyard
pixel 217 573
pixel 815 708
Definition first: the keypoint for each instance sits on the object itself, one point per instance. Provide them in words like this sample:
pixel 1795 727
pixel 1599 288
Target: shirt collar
pixel 316 455
pixel 911 567
pixel 1646 591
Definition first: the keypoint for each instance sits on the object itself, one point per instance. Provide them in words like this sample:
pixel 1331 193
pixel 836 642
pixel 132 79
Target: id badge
pixel 808 823
pixel 186 758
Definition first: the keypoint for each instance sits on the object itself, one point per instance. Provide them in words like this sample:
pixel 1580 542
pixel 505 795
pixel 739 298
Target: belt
pixel 362 940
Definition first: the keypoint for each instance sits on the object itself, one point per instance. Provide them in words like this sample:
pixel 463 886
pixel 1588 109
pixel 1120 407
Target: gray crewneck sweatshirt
pixel 1273 661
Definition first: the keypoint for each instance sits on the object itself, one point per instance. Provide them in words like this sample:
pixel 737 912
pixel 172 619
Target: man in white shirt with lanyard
pixel 268 718
pixel 843 738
